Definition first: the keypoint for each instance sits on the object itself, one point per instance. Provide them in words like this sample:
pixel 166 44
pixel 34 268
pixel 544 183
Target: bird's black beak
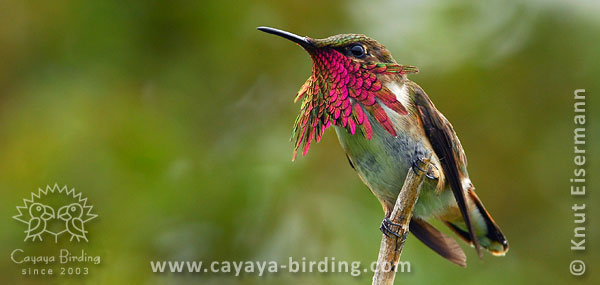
pixel 302 41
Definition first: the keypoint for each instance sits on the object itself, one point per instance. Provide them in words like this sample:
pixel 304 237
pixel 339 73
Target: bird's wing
pixel 78 225
pixel 447 147
pixel 34 225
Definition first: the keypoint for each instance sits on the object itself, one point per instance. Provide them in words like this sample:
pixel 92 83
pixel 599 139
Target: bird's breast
pixel 383 161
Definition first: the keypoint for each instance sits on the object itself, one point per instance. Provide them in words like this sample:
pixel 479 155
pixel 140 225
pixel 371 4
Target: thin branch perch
pixel 391 246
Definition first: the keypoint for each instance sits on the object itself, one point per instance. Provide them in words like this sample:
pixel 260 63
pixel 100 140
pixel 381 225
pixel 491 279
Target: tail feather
pixel 444 245
pixel 489 234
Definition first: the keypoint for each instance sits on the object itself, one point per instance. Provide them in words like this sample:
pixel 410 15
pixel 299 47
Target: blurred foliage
pixel 173 118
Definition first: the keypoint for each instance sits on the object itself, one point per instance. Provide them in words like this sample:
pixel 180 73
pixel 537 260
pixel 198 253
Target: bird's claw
pixel 415 166
pixel 385 227
pixel 430 174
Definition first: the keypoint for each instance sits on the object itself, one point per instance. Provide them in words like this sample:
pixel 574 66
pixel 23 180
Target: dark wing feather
pixel 447 147
pixel 438 241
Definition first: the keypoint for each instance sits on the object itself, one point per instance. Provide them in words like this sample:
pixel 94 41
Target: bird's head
pixel 348 75
pixel 42 211
pixel 68 212
pixel 357 48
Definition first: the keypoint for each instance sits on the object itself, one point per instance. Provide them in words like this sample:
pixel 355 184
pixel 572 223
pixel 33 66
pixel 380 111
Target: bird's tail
pixel 487 231
pixel 444 245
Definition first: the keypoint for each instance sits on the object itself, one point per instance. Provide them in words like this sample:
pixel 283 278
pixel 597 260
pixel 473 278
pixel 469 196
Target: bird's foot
pixel 416 165
pixel 385 227
pixel 432 172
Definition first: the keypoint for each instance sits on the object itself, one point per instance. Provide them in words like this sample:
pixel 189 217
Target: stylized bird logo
pixel 40 214
pixel 72 214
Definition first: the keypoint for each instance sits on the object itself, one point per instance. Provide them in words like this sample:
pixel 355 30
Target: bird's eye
pixel 73 208
pixel 357 50
pixel 38 208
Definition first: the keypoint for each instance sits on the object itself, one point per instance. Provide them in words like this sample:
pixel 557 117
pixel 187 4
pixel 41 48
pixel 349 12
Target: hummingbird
pixel 385 124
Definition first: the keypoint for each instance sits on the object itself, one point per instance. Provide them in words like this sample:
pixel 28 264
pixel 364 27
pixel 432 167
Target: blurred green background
pixel 173 118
